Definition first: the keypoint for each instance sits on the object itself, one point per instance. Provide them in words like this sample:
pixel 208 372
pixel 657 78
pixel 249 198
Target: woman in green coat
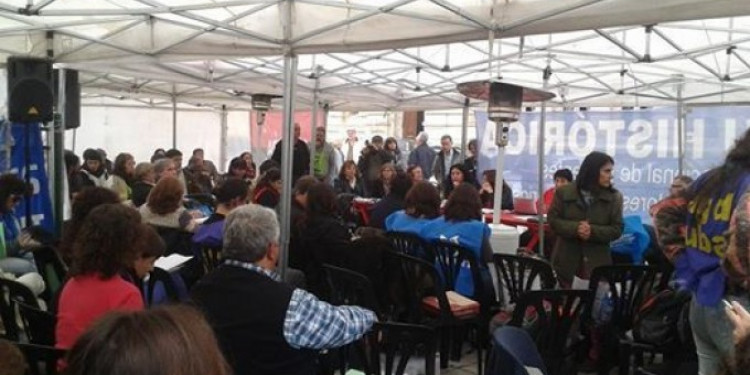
pixel 585 217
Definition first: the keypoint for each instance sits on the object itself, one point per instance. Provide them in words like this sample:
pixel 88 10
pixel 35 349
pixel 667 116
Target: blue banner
pixel 6 145
pixel 642 142
pixel 41 204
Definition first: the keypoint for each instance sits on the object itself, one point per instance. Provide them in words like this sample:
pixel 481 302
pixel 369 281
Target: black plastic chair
pixel 177 240
pixel 412 279
pixel 10 292
pixel 519 273
pixel 409 244
pixel 627 287
pixel 418 279
pixel 556 327
pixel 39 325
pixel 513 350
pixel 41 359
pixel 449 259
pixel 397 343
pixel 210 257
pixel 347 287
pixel 53 271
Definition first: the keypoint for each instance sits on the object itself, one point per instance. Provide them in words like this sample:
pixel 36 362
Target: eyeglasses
pixel 15 198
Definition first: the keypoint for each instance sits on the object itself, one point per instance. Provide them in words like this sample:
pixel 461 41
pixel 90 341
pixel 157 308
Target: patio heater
pixel 261 103
pixel 503 108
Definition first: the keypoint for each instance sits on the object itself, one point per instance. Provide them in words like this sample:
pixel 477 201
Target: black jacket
pixel 300 159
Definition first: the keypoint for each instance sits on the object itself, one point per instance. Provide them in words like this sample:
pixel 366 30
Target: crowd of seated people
pixel 110 243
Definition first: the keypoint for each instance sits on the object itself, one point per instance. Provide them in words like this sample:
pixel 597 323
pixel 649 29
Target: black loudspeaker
pixel 420 121
pixel 72 97
pixel 29 90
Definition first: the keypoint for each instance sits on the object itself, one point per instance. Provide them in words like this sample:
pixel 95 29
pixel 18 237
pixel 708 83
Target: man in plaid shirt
pixel 265 326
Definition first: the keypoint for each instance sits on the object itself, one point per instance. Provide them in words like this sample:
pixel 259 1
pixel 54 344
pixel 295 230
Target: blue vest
pixel 469 234
pixel 399 221
pixel 699 268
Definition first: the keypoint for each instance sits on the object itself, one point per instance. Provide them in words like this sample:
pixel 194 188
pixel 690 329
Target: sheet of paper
pixel 172 261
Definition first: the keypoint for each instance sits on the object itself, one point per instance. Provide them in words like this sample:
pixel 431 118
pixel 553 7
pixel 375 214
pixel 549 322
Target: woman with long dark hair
pixel 324 237
pixel 348 181
pixel 382 185
pixel 123 175
pixel 458 175
pixel 391 147
pixel 586 217
pixel 712 198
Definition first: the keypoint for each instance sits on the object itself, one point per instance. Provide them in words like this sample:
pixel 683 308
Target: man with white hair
pixel 266 326
pixel 423 156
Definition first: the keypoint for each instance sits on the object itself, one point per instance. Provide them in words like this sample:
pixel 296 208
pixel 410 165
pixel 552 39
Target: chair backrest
pixel 413 280
pixel 52 269
pixel 158 276
pixel 408 243
pixel 177 240
pixel 558 316
pixel 211 257
pixel 349 288
pixel 397 343
pixel 41 359
pixel 518 274
pixel 449 259
pixel 10 292
pixel 39 325
pixel 627 286
pixel 512 351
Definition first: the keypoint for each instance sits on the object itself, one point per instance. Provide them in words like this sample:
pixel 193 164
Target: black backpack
pixel 663 320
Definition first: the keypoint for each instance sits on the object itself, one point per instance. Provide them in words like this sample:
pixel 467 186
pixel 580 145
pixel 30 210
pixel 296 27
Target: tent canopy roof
pixel 388 54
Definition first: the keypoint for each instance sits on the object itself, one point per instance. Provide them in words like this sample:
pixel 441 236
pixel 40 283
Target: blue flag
pixel 41 203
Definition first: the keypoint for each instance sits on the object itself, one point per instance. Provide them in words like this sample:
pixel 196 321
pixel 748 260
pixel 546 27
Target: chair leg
pixel 479 360
pixel 625 354
pixel 444 346
pixel 457 342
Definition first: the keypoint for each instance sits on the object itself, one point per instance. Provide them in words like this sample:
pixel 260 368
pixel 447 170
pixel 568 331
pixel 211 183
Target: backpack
pixel 663 320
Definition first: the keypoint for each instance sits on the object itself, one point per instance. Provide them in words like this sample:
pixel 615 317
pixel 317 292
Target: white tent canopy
pixel 386 54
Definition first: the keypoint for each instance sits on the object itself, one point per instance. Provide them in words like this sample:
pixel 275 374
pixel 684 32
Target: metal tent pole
pixel 314 122
pixel 464 129
pixel 58 197
pixel 540 163
pixel 174 117
pixel 680 129
pixel 497 207
pixel 287 146
pixel 223 138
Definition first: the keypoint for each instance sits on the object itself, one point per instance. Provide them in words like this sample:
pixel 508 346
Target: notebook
pixel 171 261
